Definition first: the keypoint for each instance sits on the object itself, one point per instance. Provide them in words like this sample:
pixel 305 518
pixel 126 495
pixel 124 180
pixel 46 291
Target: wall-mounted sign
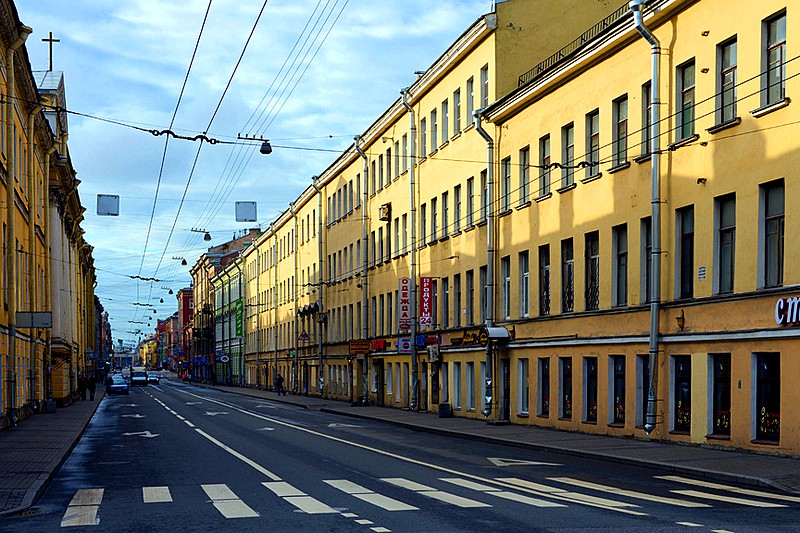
pixel 425 301
pixel 787 311
pixel 404 345
pixel 404 303
pixel 378 345
pixel 359 347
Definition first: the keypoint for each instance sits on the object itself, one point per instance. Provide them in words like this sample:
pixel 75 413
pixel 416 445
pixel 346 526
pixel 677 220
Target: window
pixel 405 232
pixel 685 225
pixel 457 385
pixel 647 118
pixel 470 99
pixel 484 195
pixel 374 179
pixel 470 316
pixel 593 144
pixel 397 159
pixel 380 171
pixel 445 377
pixel 768 396
pixel 685 101
pixel 445 122
pixel 592 261
pixel 544 386
pixel 544 279
pixel 423 138
pixel 485 86
pixel 682 393
pixel 434 130
pixel 524 284
pixel 773 77
pixel 373 254
pixel 358 194
pixel 620 133
pixel 565 387
pixel 568 155
pixel 374 322
pixel 457 300
pixel 590 389
pixel 522 386
pixel 423 215
pixel 772 199
pixel 381 314
pixel 445 213
pixel 398 250
pixel 434 219
pixel 457 111
pixel 505 272
pixel 389 165
pixel 721 390
pixel 470 201
pixel 726 242
pixel 445 303
pixel 505 184
pixel 726 81
pixel 405 152
pixel 642 387
pixel 524 174
pixel 620 264
pixel 646 258
pixel 457 209
pixel 544 164
pixel 470 386
pixel 617 415
pixel 484 288
pixel 567 276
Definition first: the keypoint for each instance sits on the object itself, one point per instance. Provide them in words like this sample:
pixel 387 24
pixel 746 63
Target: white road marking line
pixel 627 493
pixel 380 530
pixel 721 531
pixel 570 496
pixel 430 492
pixel 519 498
pixel 731 488
pixel 349 515
pixel 227 503
pixel 156 495
pixel 364 522
pixel 239 456
pixel 689 524
pixel 282 489
pixel 727 499
pixel 364 494
pixel 310 505
pixel 189 424
pixel 82 509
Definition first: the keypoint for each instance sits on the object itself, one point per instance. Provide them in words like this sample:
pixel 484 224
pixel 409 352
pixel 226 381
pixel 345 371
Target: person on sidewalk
pixel 82 386
pixel 91 384
pixel 279 385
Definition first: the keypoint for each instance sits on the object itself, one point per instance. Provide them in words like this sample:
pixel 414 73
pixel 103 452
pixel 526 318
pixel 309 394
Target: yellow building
pixel 575 245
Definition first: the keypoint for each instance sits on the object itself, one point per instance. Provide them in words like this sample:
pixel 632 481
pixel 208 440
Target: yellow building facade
pixel 542 229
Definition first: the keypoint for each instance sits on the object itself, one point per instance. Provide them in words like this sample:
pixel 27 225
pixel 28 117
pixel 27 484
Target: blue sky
pixel 127 61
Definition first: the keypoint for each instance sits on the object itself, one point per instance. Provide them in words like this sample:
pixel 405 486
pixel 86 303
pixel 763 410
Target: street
pixel 176 456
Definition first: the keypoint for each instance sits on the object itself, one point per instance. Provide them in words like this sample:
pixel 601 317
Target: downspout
pixel 275 301
pixel 364 264
pixel 11 269
pixel 488 397
pixel 32 243
pixel 412 197
pixel 320 286
pixel 296 376
pixel 655 202
pixel 242 340
pixel 48 305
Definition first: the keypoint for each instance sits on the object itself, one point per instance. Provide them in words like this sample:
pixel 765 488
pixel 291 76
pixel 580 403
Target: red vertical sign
pixel 404 303
pixel 425 301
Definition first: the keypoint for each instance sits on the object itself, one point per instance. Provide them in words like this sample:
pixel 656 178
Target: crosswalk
pixel 410 496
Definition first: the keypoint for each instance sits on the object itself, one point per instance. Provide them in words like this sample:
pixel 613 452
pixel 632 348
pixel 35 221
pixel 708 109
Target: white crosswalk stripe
pixel 156 495
pixel 567 495
pixel 364 494
pixel 82 509
pixel 298 498
pixel 430 492
pixel 731 488
pixel 227 503
pixel 627 493
pixel 726 499
pixel 493 491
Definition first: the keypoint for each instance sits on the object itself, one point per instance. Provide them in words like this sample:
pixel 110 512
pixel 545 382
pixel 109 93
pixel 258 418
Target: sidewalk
pixel 33 451
pixel 769 471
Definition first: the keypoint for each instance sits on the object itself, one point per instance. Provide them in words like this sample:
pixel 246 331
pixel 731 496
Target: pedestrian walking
pixel 279 385
pixel 81 387
pixel 91 384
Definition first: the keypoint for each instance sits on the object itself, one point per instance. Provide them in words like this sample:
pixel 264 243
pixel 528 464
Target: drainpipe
pixel 296 384
pixel 48 306
pixel 364 265
pixel 320 286
pixel 32 196
pixel 655 202
pixel 11 270
pixel 412 197
pixel 487 408
pixel 275 300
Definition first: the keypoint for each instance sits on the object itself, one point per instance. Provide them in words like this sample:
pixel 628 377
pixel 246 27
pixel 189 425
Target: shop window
pixel 617 388
pixel 565 382
pixel 544 387
pixel 721 390
pixel 768 396
pixel 682 393
pixel 590 389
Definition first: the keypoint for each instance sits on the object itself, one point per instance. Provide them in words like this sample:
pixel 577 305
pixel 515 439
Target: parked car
pixel 153 377
pixel 118 385
pixel 138 377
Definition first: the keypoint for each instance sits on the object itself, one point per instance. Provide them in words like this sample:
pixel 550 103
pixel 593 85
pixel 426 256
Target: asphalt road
pixel 175 457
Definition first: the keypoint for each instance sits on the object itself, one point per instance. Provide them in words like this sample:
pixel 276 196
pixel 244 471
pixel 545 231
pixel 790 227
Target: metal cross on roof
pixel 50 40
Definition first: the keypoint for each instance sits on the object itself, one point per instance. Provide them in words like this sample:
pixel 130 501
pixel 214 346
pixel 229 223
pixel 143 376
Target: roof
pixel 48 80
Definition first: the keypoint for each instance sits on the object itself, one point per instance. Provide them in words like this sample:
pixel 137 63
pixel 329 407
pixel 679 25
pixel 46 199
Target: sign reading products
pixel 787 311
pixel 404 303
pixel 426 301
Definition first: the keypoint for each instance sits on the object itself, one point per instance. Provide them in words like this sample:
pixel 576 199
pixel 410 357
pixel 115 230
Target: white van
pixel 138 376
